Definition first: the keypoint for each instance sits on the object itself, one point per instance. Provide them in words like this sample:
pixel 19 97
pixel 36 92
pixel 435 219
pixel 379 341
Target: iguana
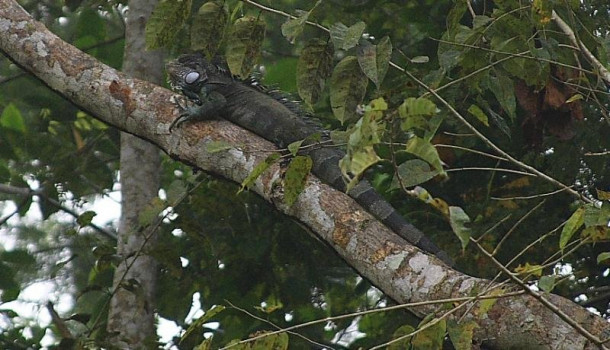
pixel 244 102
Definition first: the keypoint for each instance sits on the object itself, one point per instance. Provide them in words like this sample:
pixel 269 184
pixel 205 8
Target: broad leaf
pixel 165 22
pixel 198 324
pixel 426 151
pixel 343 37
pixel 313 68
pixel 244 45
pixel 374 59
pixel 461 333
pixel 411 173
pixel 479 114
pixel 208 28
pixel 458 219
pixel 430 338
pixel 258 170
pixel 572 225
pixel 12 119
pixel 347 89
pixel 296 177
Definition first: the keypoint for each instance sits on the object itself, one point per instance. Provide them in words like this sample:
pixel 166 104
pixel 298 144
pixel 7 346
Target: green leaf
pixel 486 304
pixel 198 324
pixel 355 165
pixel 420 59
pixel 500 122
pixel 273 341
pixel 7 277
pixel 18 256
pixel 418 113
pixel 574 97
pixel 405 342
pixel 461 333
pixel 413 172
pixel 85 218
pixel 426 151
pixel 542 11
pixel 575 221
pixel 347 89
pixel 458 219
pixel 294 26
pixel 218 146
pixel 244 45
pixel 547 283
pixel 313 68
pixel 12 119
pixel 431 337
pixel 479 114
pixel 208 28
pixel 296 177
pixel 258 170
pixel 165 22
pixel 294 147
pixel 374 60
pixel 595 216
pixel 503 89
pixel 343 37
pixel 602 257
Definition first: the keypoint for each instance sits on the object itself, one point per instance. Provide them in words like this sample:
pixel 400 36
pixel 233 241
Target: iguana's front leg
pixel 208 105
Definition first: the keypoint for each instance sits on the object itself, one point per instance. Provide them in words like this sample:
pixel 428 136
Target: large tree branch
pixel 399 269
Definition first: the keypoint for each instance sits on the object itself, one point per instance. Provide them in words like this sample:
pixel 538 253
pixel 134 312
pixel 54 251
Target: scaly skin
pixel 219 94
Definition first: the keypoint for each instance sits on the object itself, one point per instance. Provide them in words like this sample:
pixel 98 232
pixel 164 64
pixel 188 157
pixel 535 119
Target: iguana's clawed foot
pixel 186 112
pixel 202 110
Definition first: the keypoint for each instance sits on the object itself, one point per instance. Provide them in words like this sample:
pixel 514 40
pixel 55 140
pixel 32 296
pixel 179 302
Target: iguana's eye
pixel 191 77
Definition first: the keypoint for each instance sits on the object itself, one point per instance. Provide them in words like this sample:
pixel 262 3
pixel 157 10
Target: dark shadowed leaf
pixel 296 177
pixel 165 22
pixel 413 172
pixel 572 225
pixel 343 37
pixel 461 333
pixel 208 28
pixel 313 68
pixel 347 89
pixel 258 170
pixel 244 45
pixel 85 218
pixel 374 59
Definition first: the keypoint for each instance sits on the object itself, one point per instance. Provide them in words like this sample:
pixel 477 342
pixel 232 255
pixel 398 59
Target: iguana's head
pixel 187 74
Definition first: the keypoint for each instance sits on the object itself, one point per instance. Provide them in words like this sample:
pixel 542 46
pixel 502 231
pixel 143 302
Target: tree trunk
pixel 131 317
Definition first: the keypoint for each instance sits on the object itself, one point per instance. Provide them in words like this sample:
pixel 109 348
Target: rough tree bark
pixel 131 316
pixel 402 271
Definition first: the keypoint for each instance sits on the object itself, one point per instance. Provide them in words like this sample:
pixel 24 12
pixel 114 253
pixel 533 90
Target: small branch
pixel 530 197
pixel 604 73
pixel 491 169
pixel 383 309
pixel 59 323
pixel 27 192
pixel 542 299
pixel 323 346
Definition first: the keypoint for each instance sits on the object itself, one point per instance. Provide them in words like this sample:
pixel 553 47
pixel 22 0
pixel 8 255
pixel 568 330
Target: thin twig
pixel 529 197
pixel 276 326
pixel 542 299
pixel 384 309
pixel 604 73
pixel 27 192
pixel 491 169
